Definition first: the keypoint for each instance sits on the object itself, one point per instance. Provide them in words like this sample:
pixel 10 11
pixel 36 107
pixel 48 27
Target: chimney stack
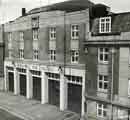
pixel 23 11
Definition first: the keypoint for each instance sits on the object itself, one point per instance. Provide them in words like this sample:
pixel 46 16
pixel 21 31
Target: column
pixel 63 92
pixel 29 84
pixel 16 82
pixel 83 96
pixel 5 79
pixel 44 88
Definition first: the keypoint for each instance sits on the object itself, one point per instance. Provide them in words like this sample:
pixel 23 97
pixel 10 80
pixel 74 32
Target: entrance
pixel 22 78
pixel 37 88
pixel 11 81
pixel 74 97
pixel 54 92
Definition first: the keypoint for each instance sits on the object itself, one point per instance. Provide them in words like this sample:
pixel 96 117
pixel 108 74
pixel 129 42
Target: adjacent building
pixel 108 71
pixel 1 58
pixel 74 55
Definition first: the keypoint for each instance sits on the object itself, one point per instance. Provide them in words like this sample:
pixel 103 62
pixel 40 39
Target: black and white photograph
pixel 64 59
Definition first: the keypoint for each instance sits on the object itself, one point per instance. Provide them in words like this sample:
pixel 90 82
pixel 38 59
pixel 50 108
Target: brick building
pixel 108 71
pixel 44 54
pixel 74 55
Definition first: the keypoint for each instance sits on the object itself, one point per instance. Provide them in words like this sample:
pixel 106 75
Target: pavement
pixel 32 109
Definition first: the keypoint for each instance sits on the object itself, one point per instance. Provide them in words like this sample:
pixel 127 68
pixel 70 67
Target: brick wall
pixel 91 70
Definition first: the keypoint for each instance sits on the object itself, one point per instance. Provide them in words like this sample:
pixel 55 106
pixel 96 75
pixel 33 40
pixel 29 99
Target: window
pixel 75 32
pixel 74 56
pixel 35 22
pixel 129 88
pixel 52 33
pixel 52 55
pixel 10 53
pixel 9 37
pixel 103 54
pixel 74 79
pixel 122 114
pixel 101 110
pixel 21 53
pixel 10 44
pixel 35 54
pixel 21 36
pixel 35 34
pixel 102 83
pixel 105 25
pixel 53 76
pixel 9 40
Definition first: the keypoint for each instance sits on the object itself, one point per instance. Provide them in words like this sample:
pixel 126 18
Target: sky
pixel 11 9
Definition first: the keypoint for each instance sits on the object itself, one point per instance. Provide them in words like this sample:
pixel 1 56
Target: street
pixel 7 116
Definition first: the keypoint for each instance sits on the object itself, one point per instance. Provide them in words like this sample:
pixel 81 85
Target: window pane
pixel 105 78
pixel 104 113
pixel 105 86
pixel 101 57
pixel 100 77
pixel 99 112
pixel 100 85
pixel 106 57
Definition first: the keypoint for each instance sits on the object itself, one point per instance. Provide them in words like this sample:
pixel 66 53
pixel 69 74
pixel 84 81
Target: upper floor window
pixel 35 22
pixel 74 56
pixel 35 34
pixel 52 55
pixel 129 87
pixel 52 33
pixel 21 36
pixel 103 54
pixel 35 54
pixel 21 53
pixel 101 110
pixel 10 40
pixel 105 25
pixel 75 32
pixel 10 53
pixel 103 83
pixel 9 37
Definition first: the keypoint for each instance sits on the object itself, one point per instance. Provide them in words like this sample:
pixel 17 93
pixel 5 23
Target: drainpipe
pixel 112 52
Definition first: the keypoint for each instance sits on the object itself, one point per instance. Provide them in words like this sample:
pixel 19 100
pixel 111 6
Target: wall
pixel 62 21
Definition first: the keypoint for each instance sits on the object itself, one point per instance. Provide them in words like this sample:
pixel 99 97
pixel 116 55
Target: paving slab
pixel 32 109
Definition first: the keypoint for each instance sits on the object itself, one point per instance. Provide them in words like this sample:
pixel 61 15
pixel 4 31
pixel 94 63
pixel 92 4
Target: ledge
pixel 107 42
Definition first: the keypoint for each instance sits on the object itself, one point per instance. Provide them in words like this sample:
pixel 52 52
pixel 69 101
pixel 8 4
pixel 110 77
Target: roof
pixel 120 23
pixel 68 6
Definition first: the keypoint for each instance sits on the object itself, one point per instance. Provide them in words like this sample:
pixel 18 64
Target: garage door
pixel 54 92
pixel 22 84
pixel 37 88
pixel 74 97
pixel 11 81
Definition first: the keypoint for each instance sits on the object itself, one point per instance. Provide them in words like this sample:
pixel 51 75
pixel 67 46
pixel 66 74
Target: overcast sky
pixel 10 9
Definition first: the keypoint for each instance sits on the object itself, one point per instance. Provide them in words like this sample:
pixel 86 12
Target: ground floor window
pixel 101 110
pixel 122 114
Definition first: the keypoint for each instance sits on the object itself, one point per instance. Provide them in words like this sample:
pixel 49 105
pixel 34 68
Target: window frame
pixel 128 87
pixel 75 30
pixel 21 36
pixel 103 109
pixel 36 54
pixel 52 32
pixel 104 23
pixel 35 33
pixel 103 53
pixel 21 53
pixel 75 56
pixel 52 55
pixel 103 83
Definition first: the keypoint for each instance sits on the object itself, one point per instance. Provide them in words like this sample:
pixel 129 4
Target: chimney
pixel 23 11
